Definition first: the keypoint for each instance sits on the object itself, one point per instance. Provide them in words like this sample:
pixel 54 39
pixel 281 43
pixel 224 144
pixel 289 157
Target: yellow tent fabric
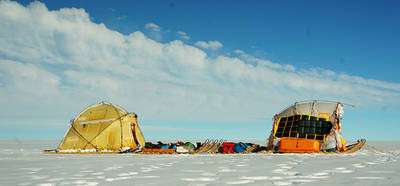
pixel 103 127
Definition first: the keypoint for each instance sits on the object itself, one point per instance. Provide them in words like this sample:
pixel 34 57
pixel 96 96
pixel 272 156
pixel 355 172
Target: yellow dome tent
pixel 102 128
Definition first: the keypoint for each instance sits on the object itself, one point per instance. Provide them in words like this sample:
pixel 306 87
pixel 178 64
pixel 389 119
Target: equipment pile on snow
pixel 307 127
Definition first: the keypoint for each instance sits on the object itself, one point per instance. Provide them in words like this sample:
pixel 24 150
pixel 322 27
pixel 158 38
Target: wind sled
pixel 310 127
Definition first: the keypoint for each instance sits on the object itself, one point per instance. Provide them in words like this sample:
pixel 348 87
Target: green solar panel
pixel 303 126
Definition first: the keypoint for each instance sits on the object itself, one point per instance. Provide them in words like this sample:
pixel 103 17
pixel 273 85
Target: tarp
pixel 103 127
pixel 311 108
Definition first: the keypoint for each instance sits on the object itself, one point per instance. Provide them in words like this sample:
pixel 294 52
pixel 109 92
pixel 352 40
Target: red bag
pixel 228 147
pixel 179 143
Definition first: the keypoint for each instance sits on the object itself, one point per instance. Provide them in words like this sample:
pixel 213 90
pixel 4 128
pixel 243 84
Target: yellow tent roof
pixel 99 113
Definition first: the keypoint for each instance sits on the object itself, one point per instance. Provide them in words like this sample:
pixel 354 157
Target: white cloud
pixel 262 62
pixel 152 27
pixel 183 35
pixel 59 62
pixel 212 45
pixel 28 78
pixel 237 51
pixel 154 31
pixel 370 82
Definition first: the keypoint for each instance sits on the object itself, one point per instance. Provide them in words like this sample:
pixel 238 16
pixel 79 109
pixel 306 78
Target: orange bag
pixel 298 145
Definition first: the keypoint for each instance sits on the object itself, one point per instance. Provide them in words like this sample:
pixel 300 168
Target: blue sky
pixel 358 34
pixel 198 69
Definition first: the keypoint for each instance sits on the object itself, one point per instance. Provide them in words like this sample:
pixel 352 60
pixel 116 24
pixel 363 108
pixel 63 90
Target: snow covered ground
pixel 21 163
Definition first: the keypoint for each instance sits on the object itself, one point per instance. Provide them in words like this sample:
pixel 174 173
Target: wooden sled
pixel 205 145
pixel 250 149
pixel 55 151
pixel 79 152
pixel 157 151
pixel 349 148
pixel 209 147
pixel 214 147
